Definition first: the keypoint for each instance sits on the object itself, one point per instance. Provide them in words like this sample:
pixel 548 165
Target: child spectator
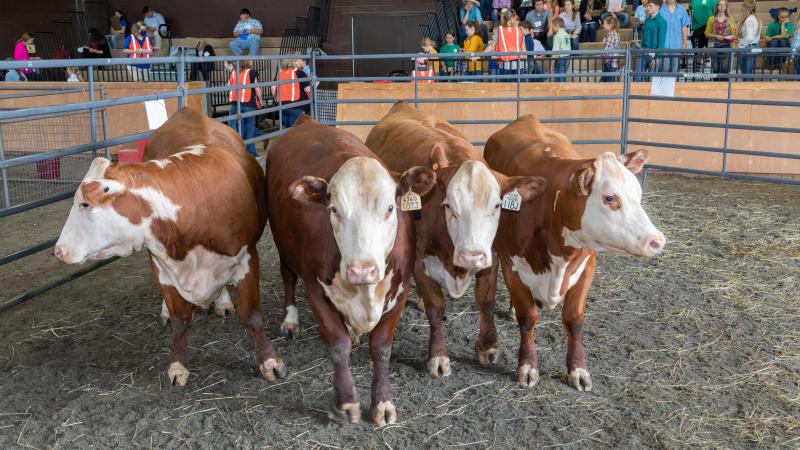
pixel 561 42
pixel 590 11
pixel 491 63
pixel 509 39
pixel 639 17
pixel 611 41
pixel 470 12
pixel 779 34
pixel 21 54
pixel 748 38
pixel 654 36
pixel 616 8
pixel 473 44
pixel 425 64
pixel 572 23
pixel 448 62
pixel 721 32
pixel 72 75
pixel 532 45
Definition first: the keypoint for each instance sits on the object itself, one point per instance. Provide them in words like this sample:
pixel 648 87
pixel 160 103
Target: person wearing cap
pixel 471 12
pixel 248 34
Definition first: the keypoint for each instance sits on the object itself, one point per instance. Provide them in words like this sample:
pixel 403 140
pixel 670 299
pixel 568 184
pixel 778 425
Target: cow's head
pixel 105 219
pixel 613 218
pixel 362 197
pixel 473 196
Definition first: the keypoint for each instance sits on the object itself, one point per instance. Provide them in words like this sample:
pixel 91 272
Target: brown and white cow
pixel 200 212
pixel 458 220
pixel 335 220
pixel 547 249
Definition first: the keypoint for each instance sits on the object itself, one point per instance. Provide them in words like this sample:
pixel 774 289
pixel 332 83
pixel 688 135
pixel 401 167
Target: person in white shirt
pixel 617 8
pixel 749 35
pixel 153 21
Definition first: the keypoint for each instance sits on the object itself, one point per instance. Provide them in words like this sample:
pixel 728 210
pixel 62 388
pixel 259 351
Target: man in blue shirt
pixel 248 34
pixel 677 31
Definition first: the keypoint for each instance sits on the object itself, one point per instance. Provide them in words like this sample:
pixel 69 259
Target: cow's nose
pixel 472 260
pixel 654 245
pixel 362 273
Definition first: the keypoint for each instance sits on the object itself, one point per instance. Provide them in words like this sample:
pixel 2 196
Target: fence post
pixel 416 86
pixel 92 129
pixel 4 174
pixel 626 99
pixel 104 117
pixel 519 85
pixel 181 79
pixel 727 124
pixel 313 85
pixel 237 79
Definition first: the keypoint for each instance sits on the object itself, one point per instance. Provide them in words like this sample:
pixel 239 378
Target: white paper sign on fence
pixel 156 113
pixel 664 86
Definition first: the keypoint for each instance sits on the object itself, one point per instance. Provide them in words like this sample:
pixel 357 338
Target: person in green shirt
pixel 448 63
pixel 779 34
pixel 561 42
pixel 654 36
pixel 702 10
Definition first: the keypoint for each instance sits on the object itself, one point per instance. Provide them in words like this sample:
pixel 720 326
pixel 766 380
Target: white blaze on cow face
pixel 94 229
pixel 472 210
pixel 614 218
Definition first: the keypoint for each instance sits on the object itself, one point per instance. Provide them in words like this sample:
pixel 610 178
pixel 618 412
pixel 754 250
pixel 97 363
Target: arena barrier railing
pixel 538 67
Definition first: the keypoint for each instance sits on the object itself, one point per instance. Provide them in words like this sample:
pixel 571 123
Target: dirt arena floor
pixel 697 348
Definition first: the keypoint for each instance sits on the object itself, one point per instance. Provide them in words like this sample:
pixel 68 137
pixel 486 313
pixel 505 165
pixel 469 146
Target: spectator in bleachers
pixel 749 35
pixel 119 29
pixel 532 45
pixel 654 36
pixel 450 46
pixel 677 32
pixel 590 11
pixel 13 74
pixel 248 31
pixel 721 32
pixel 302 64
pixel 73 75
pixel 137 45
pixel 561 42
pixel 795 43
pixel 203 50
pixel 702 10
pixel 249 99
pixel 473 44
pixel 97 48
pixel 509 39
pixel 426 66
pixel 291 92
pixel 779 34
pixel 470 12
pixel 539 18
pixel 155 25
pixel 617 9
pixel 486 9
pixel 572 23
pixel 497 6
pixel 611 42
pixel 21 54
pixel 524 8
pixel 639 17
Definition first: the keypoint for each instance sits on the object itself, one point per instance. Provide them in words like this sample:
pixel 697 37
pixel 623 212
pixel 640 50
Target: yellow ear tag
pixel 410 201
pixel 512 201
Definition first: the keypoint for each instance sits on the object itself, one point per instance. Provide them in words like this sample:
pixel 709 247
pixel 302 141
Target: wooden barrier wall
pixel 120 120
pixel 668 110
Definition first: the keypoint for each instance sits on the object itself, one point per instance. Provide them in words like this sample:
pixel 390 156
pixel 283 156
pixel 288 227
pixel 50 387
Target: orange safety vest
pixel 288 92
pixel 423 73
pixel 244 94
pixel 134 45
pixel 509 39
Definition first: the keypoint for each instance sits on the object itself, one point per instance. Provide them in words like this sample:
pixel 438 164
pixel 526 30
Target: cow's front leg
pixel 431 293
pixel 527 315
pixel 486 346
pixel 572 316
pixel 180 319
pixel 337 339
pixel 270 364
pixel 382 410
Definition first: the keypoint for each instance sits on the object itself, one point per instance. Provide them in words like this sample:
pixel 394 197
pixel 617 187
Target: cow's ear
pixel 418 179
pixel 528 187
pixel 444 175
pixel 310 191
pixel 438 157
pixel 634 161
pixel 582 179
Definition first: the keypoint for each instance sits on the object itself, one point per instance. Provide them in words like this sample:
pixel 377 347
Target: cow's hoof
pixel 178 374
pixel 290 330
pixel 439 365
pixel 164 313
pixel 527 375
pixel 272 369
pixel 490 355
pixel 384 413
pixel 580 379
pixel 348 412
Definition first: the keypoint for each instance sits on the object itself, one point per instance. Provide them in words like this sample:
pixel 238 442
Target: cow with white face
pixel 162 205
pixel 334 215
pixel 458 221
pixel 547 250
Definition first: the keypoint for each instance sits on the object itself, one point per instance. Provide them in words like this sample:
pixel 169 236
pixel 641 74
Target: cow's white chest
pixel 201 275
pixel 546 286
pixel 456 286
pixel 361 306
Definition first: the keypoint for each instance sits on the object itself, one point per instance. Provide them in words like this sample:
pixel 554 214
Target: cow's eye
pixel 609 199
pixel 497 205
pixel 84 205
pixel 334 210
pixel 446 205
pixel 105 189
pixel 391 208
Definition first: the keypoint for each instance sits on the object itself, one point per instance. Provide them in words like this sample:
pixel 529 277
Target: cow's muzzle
pixel 362 273
pixel 473 260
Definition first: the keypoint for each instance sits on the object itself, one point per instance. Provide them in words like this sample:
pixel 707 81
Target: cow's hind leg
pixel 431 293
pixel 527 315
pixel 291 323
pixel 572 317
pixel 485 290
pixel 250 316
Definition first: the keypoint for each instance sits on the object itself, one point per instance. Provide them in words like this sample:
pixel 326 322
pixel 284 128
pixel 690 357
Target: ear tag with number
pixel 410 201
pixel 512 201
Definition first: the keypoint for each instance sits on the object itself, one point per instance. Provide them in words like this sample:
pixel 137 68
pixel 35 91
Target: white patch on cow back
pixel 162 206
pixel 456 286
pixel 202 274
pixel 362 305
pixel 160 163
pixel 197 150
pixel 546 286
